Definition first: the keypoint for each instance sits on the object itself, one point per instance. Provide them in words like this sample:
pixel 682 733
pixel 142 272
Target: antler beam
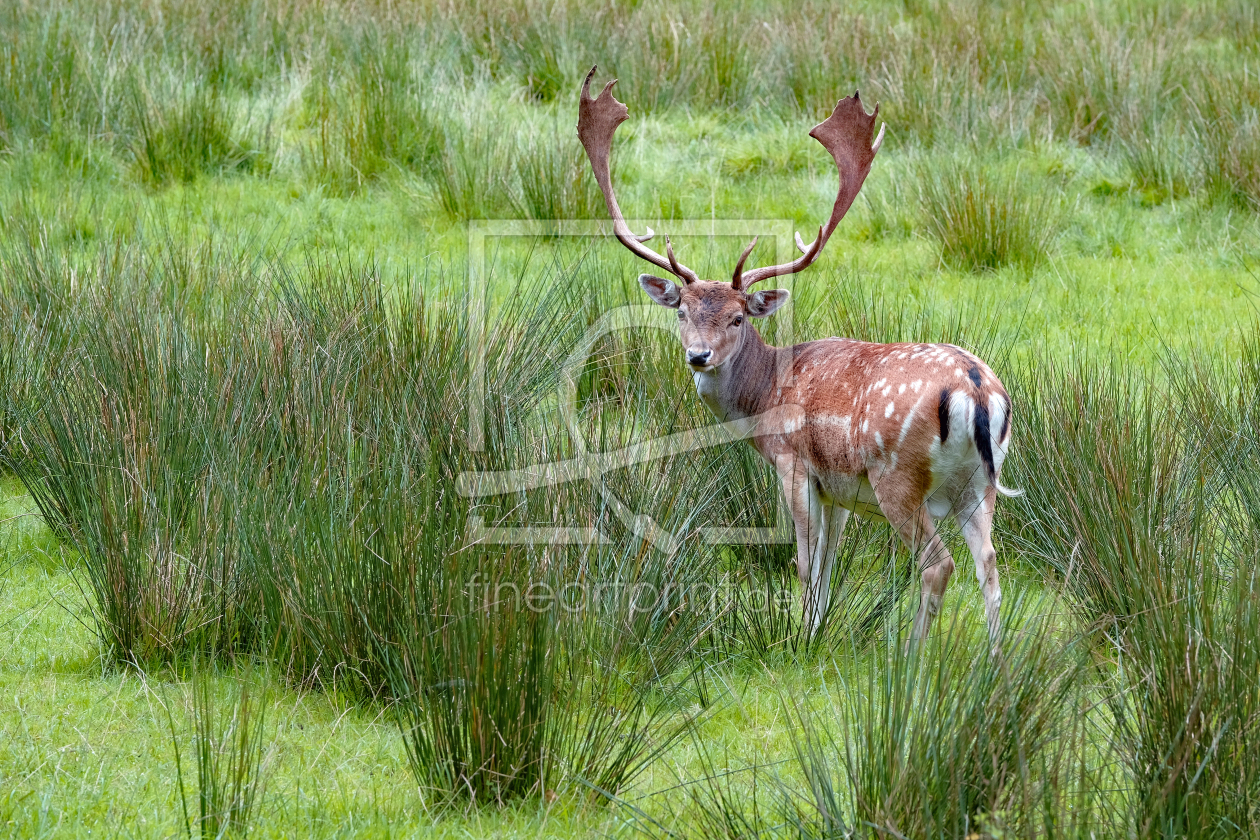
pixel 847 135
pixel 598 118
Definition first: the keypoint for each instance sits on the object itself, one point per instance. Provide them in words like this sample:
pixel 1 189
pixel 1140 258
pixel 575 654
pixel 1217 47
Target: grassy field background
pixel 235 561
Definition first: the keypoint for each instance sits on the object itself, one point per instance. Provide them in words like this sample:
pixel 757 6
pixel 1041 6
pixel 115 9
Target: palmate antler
pixel 847 135
pixel 598 118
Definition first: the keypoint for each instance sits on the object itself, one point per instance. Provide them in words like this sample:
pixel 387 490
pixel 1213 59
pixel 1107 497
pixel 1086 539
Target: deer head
pixel 713 315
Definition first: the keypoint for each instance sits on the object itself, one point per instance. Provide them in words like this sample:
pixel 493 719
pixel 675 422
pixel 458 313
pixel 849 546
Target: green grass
pixel 234 353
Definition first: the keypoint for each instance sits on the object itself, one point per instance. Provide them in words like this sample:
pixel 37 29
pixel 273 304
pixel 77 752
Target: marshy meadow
pixel 325 394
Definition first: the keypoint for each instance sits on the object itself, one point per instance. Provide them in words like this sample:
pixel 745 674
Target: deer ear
pixel 761 304
pixel 662 291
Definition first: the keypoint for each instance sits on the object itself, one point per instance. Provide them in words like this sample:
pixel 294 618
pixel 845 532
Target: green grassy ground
pixel 88 747
pixel 170 175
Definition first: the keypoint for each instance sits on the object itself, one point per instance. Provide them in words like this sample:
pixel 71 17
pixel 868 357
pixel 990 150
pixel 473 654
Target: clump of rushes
pixel 387 118
pixel 252 490
pixel 984 219
pixel 466 176
pixel 374 565
pixel 1134 510
pixel 1231 138
pixel 112 452
pixel 183 138
pixel 950 739
pixel 1109 488
pixel 232 762
pixel 944 741
pixel 555 178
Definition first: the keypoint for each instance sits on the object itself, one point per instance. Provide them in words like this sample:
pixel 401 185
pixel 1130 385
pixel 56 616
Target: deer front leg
pixel 811 520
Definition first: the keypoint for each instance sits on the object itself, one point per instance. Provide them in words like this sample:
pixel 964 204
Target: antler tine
pixel 847 135
pixel 598 118
pixel 738 276
pixel 673 263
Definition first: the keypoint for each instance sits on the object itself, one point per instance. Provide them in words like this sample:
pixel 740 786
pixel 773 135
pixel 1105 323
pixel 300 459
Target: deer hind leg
pixel 816 526
pixel 918 532
pixel 976 521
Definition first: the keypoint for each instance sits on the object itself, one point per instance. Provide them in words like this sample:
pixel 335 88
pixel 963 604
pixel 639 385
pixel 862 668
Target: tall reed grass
pixel 283 481
pixel 985 220
pixel 232 761
pixel 446 95
pixel 948 742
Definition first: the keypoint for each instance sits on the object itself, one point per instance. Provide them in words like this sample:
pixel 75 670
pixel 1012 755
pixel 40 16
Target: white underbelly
pixel 852 492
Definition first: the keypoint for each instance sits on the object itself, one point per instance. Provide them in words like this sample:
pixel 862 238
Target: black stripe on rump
pixel 983 445
pixel 1006 418
pixel 942 412
pixel 973 373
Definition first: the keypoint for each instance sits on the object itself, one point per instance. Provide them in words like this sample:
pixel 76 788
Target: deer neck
pixel 743 385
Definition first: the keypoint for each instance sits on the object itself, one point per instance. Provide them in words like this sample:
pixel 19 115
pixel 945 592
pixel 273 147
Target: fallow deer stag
pixel 908 432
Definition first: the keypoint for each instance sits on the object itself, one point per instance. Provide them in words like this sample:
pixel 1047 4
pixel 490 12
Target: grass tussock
pixel 195 137
pixel 947 741
pixel 231 757
pixel 1231 139
pixel 1141 526
pixel 955 742
pixel 985 220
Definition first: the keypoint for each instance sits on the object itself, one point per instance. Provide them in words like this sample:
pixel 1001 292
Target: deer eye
pixel 682 316
pixel 739 319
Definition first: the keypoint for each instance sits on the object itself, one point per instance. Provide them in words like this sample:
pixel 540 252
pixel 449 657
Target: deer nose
pixel 698 358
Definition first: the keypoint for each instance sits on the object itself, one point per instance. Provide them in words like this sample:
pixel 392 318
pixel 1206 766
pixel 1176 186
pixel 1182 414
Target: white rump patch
pixel 962 417
pixel 997 415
